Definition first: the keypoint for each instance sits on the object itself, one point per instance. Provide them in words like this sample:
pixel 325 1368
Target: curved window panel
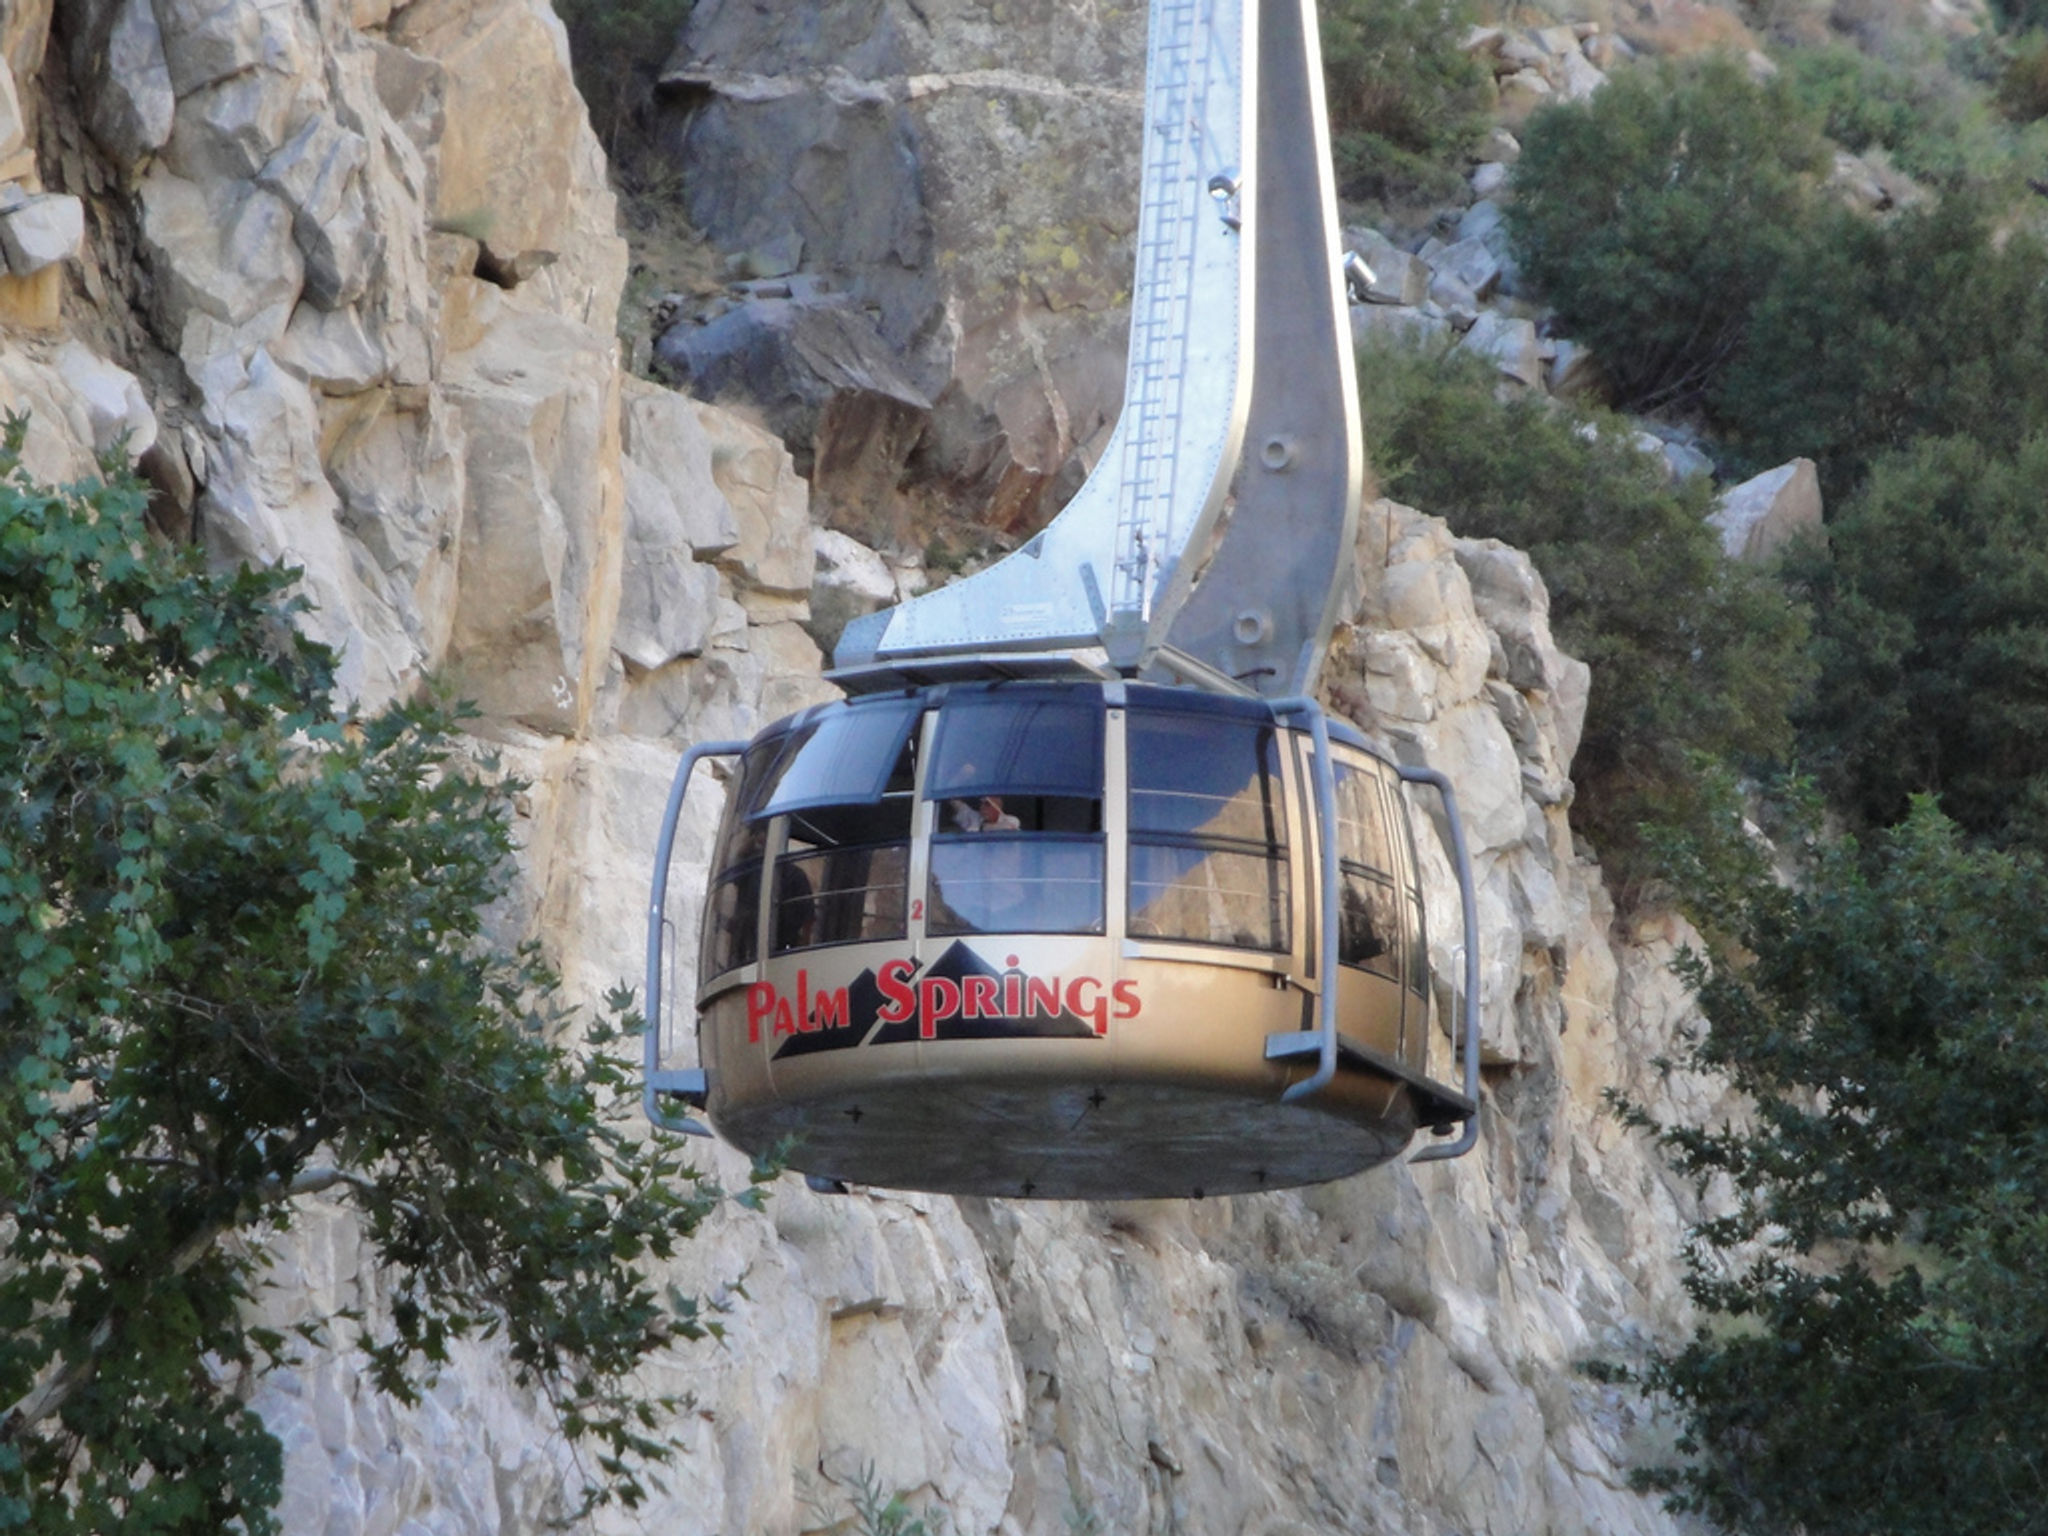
pixel 843 756
pixel 843 876
pixel 1369 926
pixel 1361 818
pixel 1208 855
pixel 1200 777
pixel 1418 946
pixel 1209 896
pixel 1019 741
pixel 732 922
pixel 1369 929
pixel 1016 882
pixel 842 896
pixel 730 938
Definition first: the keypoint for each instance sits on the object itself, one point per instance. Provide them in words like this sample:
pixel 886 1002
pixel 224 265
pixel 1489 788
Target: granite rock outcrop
pixel 347 283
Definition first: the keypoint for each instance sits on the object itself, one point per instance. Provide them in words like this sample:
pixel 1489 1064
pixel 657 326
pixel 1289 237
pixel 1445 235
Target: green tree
pixel 1931 641
pixel 1406 102
pixel 1871 334
pixel 1876 1311
pixel 242 960
pixel 1694 658
pixel 1652 215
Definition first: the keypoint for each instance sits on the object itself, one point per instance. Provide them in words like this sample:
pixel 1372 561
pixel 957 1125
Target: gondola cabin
pixel 1063 939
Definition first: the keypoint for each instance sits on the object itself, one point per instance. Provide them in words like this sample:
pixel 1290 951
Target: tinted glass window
pixel 1193 776
pixel 1369 924
pixel 1016 882
pixel 1209 896
pixel 1369 928
pixel 732 922
pixel 1019 741
pixel 1208 832
pixel 843 876
pixel 843 756
pixel 843 896
pixel 1361 818
pixel 729 937
pixel 1418 946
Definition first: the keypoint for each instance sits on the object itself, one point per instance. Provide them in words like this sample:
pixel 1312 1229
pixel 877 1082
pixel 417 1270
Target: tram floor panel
pixel 1080 1141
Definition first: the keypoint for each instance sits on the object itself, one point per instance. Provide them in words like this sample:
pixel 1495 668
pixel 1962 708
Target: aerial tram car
pixel 1079 893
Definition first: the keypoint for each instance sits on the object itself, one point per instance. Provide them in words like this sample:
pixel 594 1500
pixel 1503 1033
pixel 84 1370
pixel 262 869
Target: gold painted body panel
pixel 1158 1088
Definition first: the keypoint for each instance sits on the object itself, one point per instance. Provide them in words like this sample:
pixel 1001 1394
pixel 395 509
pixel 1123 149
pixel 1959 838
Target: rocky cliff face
pixel 344 273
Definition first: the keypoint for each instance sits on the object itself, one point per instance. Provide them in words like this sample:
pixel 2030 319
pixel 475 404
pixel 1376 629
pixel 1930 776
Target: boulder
pixel 1480 221
pixel 319 174
pixel 331 351
pixel 776 554
pixel 1500 145
pixel 124 79
pixel 1458 303
pixel 1470 263
pixel 114 402
pixel 206 41
pixel 1684 460
pixel 227 130
pixel 1489 177
pixel 1482 42
pixel 827 383
pixel 1573 371
pixel 852 581
pixel 1522 93
pixel 667 599
pixel 1761 515
pixel 222 252
pixel 1509 344
pixel 1397 277
pixel 1578 76
pixel 1409 327
pixel 41 231
pixel 662 434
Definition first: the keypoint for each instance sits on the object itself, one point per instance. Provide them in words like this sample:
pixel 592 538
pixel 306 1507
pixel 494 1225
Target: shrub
pixel 1874 1305
pixel 1931 641
pixel 1694 659
pixel 2023 83
pixel 242 960
pixel 1926 117
pixel 1406 102
pixel 1869 335
pixel 1652 214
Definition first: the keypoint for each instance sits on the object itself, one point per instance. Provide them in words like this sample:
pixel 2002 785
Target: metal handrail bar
pixel 654 1077
pixel 1326 948
pixel 1461 860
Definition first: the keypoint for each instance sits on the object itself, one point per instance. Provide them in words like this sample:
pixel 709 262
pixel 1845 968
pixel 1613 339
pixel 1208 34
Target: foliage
pixel 1691 654
pixel 1651 214
pixel 1931 638
pixel 1929 119
pixel 617 49
pixel 1871 334
pixel 244 961
pixel 1406 102
pixel 2023 84
pixel 1877 1309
